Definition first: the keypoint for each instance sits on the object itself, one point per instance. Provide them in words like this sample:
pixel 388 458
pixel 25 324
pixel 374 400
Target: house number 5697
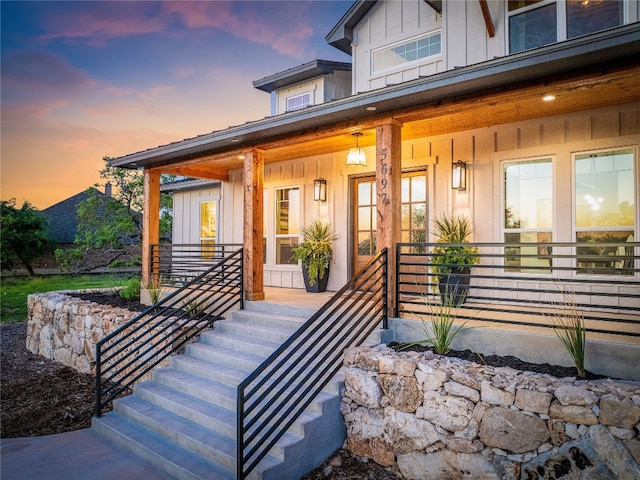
pixel 384 181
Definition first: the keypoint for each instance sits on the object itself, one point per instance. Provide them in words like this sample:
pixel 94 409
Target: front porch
pixel 515 291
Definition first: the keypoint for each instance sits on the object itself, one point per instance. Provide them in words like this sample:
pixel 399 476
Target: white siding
pixel 186 214
pixel 483 150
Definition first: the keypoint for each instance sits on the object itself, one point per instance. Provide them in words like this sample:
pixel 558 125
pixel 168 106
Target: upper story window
pixel 534 23
pixel 298 102
pixel 411 51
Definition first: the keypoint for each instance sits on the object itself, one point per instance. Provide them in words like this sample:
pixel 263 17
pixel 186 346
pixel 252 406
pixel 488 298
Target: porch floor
pixel 296 297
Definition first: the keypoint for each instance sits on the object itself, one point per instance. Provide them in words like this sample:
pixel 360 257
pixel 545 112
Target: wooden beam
pixel 388 187
pixel 253 186
pixel 203 171
pixel 150 222
pixel 487 18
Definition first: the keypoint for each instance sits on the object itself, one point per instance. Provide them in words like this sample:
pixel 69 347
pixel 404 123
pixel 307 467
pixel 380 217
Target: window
pixel 298 102
pixel 287 224
pixel 418 49
pixel 414 207
pixel 534 23
pixel 528 214
pixel 208 221
pixel 604 210
pixel 208 229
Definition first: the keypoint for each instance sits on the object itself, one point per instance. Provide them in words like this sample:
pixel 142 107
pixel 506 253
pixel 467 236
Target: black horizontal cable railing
pixel 127 354
pixel 176 264
pixel 272 397
pixel 509 280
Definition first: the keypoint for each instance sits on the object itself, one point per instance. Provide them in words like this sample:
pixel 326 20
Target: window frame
pixel 294 237
pixel 561 16
pixel 551 230
pixel 300 95
pixel 214 239
pixel 576 230
pixel 417 61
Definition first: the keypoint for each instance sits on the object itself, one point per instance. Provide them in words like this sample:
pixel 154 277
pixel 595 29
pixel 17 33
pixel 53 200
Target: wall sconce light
pixel 320 190
pixel 356 154
pixel 459 175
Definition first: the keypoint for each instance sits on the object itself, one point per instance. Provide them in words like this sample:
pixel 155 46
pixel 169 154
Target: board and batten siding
pixel 186 214
pixel 483 150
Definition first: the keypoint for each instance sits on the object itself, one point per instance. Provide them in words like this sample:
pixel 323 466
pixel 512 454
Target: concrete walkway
pixel 79 455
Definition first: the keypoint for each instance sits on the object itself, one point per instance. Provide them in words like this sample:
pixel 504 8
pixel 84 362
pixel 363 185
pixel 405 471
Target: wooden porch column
pixel 253 184
pixel 150 221
pixel 388 187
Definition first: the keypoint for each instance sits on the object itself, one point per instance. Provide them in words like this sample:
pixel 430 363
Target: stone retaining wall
pixel 66 329
pixel 432 417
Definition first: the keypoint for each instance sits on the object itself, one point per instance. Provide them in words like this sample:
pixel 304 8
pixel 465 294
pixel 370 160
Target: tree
pixel 24 237
pixel 112 221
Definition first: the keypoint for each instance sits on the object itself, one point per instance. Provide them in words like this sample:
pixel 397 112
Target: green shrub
pixel 131 290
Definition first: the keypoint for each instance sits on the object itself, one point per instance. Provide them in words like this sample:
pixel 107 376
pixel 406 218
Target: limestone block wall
pixel 66 329
pixel 431 417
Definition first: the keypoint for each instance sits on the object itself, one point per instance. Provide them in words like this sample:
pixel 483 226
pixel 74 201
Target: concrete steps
pixel 184 419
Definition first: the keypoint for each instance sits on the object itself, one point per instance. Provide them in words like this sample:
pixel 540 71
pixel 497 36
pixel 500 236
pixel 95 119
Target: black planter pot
pixel 321 283
pixel 454 286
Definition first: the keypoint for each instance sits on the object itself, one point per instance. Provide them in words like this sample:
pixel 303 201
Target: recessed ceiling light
pixel 548 98
pixel 371 109
pixel 240 157
pixel 235 140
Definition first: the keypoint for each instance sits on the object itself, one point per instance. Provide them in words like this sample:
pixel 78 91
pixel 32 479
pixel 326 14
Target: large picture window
pixel 287 224
pixel 528 214
pixel 534 23
pixel 604 210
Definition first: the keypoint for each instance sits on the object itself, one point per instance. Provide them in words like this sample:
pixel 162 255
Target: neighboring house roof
pixel 184 184
pixel 299 74
pixel 62 223
pixel 596 51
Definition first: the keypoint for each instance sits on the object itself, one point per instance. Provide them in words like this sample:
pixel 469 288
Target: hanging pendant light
pixel 356 154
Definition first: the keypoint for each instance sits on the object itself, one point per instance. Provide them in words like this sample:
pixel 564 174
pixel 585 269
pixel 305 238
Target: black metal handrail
pixel 176 263
pixel 128 353
pixel 272 397
pixel 602 280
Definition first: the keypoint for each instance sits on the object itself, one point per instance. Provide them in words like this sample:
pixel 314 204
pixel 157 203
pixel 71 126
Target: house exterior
pixel 537 102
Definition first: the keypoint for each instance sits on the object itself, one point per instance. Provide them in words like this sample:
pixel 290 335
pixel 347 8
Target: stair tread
pixel 159 446
pixel 221 352
pixel 217 412
pixel 175 424
pixel 185 360
pixel 250 340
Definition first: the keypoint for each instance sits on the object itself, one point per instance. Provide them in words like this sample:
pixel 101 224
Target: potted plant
pixel 451 264
pixel 315 253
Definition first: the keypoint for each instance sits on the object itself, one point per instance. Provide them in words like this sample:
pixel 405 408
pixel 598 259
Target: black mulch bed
pixel 504 361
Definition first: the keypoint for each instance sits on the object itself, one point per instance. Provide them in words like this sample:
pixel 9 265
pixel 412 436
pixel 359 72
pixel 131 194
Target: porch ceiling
pixel 457 113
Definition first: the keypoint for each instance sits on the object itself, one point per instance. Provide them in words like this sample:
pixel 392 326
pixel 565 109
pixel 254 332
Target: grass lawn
pixel 14 291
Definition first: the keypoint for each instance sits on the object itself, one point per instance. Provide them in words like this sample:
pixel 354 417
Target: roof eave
pixel 546 62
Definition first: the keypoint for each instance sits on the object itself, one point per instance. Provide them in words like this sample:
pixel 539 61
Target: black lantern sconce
pixel 320 190
pixel 459 175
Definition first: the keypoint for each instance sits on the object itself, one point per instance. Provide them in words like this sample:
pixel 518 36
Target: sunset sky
pixel 84 80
